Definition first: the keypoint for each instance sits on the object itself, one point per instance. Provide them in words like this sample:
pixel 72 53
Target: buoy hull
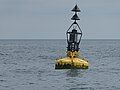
pixel 71 63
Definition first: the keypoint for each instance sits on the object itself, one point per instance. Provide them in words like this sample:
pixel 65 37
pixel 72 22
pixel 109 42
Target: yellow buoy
pixel 68 63
pixel 71 62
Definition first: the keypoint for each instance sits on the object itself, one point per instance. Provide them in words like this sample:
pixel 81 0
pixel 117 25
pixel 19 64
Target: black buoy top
pixel 74 35
pixel 75 17
pixel 76 9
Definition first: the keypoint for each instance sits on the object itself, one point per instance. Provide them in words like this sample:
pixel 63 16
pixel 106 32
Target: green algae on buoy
pixel 72 60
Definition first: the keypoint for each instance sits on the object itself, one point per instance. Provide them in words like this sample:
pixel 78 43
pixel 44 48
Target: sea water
pixel 30 65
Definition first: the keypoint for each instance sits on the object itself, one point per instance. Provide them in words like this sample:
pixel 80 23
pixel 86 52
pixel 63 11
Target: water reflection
pixel 75 73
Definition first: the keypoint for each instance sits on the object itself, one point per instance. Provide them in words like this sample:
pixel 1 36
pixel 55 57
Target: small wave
pixel 1 54
pixel 82 88
pixel 25 70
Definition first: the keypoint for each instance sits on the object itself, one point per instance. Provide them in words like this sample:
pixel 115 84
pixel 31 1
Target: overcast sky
pixel 49 19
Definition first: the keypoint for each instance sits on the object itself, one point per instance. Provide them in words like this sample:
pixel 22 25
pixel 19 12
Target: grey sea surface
pixel 30 65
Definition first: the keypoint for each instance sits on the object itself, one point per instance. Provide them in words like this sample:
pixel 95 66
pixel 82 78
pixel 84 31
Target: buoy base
pixel 71 63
